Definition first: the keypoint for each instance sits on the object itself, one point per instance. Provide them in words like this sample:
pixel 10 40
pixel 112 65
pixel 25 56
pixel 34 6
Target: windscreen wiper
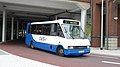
pixel 69 34
pixel 72 36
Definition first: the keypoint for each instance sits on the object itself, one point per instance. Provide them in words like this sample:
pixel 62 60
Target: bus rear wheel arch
pixel 60 51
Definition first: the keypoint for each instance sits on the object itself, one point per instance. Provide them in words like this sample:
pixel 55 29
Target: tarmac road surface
pixel 19 48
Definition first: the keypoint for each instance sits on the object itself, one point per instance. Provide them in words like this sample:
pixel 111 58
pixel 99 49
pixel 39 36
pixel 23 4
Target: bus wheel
pixel 31 45
pixel 60 51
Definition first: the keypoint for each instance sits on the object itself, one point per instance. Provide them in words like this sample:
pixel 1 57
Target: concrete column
pixel 84 7
pixel 4 26
pixel 17 29
pixel 0 32
pixel 12 28
pixel 22 30
pixel 83 19
pixel 56 17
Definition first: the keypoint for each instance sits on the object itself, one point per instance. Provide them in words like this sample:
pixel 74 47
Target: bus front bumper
pixel 76 52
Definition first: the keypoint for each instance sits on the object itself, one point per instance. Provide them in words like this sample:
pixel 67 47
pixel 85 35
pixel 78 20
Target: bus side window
pixel 53 31
pixel 39 29
pixel 59 31
pixel 32 29
pixel 46 29
pixel 29 29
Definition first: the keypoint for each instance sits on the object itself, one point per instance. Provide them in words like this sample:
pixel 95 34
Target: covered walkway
pixel 15 14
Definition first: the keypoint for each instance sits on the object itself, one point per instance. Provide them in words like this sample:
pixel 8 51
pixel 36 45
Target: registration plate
pixel 81 51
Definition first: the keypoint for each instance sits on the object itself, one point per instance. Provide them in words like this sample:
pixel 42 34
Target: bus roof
pixel 54 21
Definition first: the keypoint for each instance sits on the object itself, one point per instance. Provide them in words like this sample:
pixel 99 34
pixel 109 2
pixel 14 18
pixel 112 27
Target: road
pixel 19 48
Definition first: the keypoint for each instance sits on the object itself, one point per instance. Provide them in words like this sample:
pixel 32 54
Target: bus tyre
pixel 31 45
pixel 60 51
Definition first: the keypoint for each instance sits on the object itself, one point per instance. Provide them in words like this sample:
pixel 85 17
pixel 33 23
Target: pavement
pixel 110 52
pixel 8 59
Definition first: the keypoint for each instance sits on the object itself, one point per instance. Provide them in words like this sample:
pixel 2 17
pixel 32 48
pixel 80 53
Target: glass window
pixel 53 31
pixel 59 31
pixel 56 30
pixel 29 29
pixel 39 29
pixel 46 29
pixel 73 31
pixel 33 29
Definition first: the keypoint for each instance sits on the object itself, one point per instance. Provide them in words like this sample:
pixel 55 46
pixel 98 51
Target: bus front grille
pixel 80 47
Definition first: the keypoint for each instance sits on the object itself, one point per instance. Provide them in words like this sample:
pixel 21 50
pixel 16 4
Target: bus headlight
pixel 88 46
pixel 70 47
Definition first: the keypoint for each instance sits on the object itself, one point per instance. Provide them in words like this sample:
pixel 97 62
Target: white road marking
pixel 108 62
pixel 105 57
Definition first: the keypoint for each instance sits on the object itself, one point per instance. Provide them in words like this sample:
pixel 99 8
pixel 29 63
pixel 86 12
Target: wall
pixel 112 23
pixel 96 9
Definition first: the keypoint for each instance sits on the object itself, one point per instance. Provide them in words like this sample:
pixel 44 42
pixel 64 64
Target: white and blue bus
pixel 64 37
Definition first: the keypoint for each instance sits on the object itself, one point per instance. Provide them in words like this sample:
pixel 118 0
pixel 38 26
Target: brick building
pixel 111 23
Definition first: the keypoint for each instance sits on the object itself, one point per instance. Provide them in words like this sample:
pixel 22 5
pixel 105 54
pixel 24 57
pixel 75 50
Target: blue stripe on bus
pixel 76 52
pixel 45 46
